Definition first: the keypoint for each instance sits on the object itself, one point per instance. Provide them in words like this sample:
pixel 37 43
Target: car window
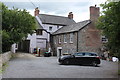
pixel 79 54
pixel 87 54
pixel 90 54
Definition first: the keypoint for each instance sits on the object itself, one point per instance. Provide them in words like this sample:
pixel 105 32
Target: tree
pixel 109 23
pixel 0 27
pixel 16 24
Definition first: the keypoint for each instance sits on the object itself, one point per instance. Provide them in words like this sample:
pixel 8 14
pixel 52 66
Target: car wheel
pixel 66 62
pixel 94 63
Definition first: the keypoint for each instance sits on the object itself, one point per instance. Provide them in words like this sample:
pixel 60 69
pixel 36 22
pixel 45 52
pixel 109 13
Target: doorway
pixel 23 46
pixel 59 51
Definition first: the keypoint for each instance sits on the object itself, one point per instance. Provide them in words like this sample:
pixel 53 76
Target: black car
pixel 80 58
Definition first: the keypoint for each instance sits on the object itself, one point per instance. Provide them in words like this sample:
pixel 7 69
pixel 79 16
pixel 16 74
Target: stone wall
pixel 5 58
pixel 67 47
pixel 89 39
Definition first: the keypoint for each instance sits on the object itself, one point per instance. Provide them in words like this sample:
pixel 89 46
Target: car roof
pixel 87 52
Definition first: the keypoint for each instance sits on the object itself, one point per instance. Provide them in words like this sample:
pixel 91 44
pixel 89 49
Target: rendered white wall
pixel 14 48
pixel 36 41
pixel 54 27
pixel 41 43
pixel 44 35
pixel 32 39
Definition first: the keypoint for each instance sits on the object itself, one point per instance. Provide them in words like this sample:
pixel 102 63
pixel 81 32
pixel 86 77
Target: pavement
pixel 29 66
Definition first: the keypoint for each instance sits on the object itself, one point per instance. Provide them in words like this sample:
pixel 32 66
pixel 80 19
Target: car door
pixel 72 59
pixel 79 58
pixel 89 58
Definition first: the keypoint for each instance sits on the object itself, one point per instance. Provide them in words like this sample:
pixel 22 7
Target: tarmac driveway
pixel 29 66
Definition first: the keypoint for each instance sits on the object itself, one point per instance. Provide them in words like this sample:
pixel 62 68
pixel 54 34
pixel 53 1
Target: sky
pixel 80 8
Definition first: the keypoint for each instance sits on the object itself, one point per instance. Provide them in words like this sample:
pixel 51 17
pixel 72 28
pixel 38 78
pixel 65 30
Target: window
pixel 57 27
pixel 91 54
pixel 50 28
pixel 68 51
pixel 65 38
pixel 104 39
pixel 39 32
pixel 59 39
pixel 71 37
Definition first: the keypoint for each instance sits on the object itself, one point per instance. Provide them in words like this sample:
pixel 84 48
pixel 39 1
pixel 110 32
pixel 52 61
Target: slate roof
pixel 58 20
pixel 38 26
pixel 73 27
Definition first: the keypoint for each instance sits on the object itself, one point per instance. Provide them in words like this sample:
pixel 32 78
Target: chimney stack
pixel 94 13
pixel 70 15
pixel 36 12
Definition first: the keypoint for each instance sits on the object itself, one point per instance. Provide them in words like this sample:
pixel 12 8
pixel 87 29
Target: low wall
pixel 5 57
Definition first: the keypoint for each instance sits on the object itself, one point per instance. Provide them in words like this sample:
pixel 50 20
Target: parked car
pixel 47 54
pixel 80 58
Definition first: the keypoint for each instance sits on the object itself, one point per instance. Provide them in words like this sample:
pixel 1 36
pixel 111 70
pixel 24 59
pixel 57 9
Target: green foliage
pixel 6 42
pixel 4 66
pixel 16 24
pixel 0 27
pixel 109 23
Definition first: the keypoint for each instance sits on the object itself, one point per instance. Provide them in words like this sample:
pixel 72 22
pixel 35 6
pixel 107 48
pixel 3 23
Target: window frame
pixel 50 28
pixel 71 37
pixel 59 39
pixel 65 38
pixel 58 26
pixel 39 32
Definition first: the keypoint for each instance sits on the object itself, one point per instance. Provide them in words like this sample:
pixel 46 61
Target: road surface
pixel 26 66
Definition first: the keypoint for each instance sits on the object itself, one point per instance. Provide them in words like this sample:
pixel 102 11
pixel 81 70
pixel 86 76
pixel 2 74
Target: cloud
pixel 48 0
pixel 80 8
pixel 20 5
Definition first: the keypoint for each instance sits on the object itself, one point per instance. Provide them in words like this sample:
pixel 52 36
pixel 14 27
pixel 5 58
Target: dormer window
pixel 50 28
pixel 57 26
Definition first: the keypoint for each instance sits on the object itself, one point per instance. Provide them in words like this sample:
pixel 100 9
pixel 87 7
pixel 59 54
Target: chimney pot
pixel 36 12
pixel 95 5
pixel 70 15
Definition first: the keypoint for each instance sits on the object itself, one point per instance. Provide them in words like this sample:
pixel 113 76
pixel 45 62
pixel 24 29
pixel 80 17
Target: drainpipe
pixel 77 40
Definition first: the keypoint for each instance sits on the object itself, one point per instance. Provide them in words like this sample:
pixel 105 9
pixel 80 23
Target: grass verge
pixel 4 66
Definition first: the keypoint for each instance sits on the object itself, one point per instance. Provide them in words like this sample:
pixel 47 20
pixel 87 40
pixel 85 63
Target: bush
pixel 6 44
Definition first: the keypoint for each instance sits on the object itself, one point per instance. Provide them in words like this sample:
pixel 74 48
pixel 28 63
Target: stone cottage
pixel 81 36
